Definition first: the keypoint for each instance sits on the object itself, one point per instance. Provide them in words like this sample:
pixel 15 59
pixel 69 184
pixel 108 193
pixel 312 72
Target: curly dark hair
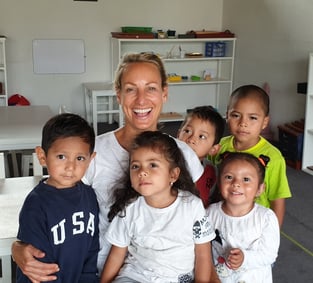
pixel 157 141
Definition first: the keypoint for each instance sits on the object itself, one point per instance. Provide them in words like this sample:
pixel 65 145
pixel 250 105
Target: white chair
pixel 37 168
pixel 4 256
pixel 30 161
pixel 2 166
pixel 5 252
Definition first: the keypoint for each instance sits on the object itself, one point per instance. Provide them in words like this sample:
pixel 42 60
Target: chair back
pixel 2 166
pixel 37 168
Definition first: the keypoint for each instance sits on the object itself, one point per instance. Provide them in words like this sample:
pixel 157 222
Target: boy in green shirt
pixel 247 116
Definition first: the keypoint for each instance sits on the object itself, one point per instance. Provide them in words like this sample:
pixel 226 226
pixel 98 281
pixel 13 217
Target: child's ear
pixel 266 122
pixel 260 189
pixel 214 149
pixel 92 156
pixel 41 155
pixel 175 174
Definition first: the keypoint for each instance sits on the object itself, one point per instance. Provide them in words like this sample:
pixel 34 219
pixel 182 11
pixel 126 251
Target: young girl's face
pixel 246 119
pixel 152 177
pixel 66 161
pixel 240 185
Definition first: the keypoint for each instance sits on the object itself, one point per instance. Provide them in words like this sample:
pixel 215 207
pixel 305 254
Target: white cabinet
pixel 307 158
pixel 3 74
pixel 187 58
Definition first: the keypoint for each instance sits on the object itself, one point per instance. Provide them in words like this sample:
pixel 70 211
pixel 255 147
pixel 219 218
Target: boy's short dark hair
pixel 64 126
pixel 209 114
pixel 251 91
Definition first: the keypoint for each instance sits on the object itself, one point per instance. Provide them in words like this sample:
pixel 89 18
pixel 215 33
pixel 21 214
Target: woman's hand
pixel 25 257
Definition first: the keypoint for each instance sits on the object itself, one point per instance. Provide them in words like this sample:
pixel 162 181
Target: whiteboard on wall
pixel 58 56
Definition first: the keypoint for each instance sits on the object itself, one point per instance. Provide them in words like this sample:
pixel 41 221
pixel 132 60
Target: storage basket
pixel 215 49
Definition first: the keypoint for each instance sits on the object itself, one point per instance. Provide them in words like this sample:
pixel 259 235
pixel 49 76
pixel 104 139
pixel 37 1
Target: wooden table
pixel 12 194
pixel 21 127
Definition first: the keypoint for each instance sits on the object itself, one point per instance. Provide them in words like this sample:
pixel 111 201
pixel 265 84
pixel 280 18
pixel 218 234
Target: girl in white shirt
pixel 248 235
pixel 158 222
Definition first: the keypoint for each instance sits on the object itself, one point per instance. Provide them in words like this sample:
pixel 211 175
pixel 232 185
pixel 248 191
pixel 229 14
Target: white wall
pixel 274 38
pixel 23 21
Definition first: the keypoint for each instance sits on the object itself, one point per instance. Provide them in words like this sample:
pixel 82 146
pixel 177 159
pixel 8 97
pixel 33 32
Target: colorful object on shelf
pixel 171 33
pixel 193 54
pixel 132 35
pixel 174 78
pixel 18 100
pixel 215 49
pixel 161 34
pixel 209 74
pixel 128 29
pixel 195 78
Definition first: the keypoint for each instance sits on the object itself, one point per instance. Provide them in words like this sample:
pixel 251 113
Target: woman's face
pixel 142 96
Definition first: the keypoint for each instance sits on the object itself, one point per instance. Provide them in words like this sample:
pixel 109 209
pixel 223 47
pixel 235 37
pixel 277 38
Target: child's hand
pixel 235 258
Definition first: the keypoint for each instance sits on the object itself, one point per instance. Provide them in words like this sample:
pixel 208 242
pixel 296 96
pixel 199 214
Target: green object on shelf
pixel 195 78
pixel 137 29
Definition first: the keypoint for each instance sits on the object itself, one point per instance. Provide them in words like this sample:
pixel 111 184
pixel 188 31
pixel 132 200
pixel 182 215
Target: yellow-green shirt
pixel 275 176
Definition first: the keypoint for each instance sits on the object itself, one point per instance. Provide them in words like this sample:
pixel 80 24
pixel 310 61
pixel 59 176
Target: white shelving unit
pixel 186 94
pixel 307 158
pixel 3 74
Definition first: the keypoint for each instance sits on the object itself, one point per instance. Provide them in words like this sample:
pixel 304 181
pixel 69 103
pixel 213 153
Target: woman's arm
pixel 24 256
pixel 204 269
pixel 113 263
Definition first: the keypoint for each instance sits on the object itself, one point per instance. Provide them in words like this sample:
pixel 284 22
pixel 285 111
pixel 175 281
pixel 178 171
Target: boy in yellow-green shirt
pixel 247 116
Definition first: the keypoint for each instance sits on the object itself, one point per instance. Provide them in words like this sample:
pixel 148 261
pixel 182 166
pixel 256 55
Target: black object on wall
pixel 302 88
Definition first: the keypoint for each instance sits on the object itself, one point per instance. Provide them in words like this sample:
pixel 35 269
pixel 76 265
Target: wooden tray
pixel 132 35
pixel 212 34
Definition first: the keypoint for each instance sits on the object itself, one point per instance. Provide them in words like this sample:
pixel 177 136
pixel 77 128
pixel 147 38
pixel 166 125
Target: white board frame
pixel 58 56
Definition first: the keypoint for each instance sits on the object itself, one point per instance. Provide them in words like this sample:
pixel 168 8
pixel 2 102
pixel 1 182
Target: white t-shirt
pixel 105 171
pixel 257 234
pixel 161 242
